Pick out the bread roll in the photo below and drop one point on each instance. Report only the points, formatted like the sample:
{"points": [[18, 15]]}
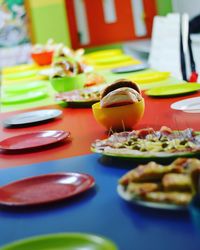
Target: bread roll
{"points": [[121, 83], [120, 97], [121, 92]]}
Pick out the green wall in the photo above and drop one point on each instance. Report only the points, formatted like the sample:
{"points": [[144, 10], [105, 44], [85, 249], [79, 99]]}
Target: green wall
{"points": [[164, 7], [50, 22]]}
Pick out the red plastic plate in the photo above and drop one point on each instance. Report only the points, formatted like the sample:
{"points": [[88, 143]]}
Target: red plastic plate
{"points": [[33, 140], [44, 189]]}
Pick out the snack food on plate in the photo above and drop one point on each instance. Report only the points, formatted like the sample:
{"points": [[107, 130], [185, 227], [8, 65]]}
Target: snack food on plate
{"points": [[147, 173], [148, 142], [163, 184], [68, 74], [91, 94], [142, 188], [42, 54], [94, 79], [179, 182], [122, 92], [64, 52], [40, 48], [60, 50], [66, 68], [195, 175], [176, 198]]}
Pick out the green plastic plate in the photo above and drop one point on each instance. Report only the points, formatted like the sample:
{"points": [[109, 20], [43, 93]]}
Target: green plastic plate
{"points": [[67, 241], [24, 87], [29, 97]]}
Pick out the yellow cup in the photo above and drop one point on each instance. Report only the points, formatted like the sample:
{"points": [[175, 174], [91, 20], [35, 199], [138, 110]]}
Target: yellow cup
{"points": [[119, 118]]}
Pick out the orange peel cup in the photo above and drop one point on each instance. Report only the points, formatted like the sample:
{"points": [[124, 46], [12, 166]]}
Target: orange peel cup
{"points": [[119, 118]]}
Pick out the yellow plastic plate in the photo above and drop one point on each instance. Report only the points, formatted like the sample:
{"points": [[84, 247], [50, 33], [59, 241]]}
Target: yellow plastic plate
{"points": [[149, 77], [19, 68], [173, 90]]}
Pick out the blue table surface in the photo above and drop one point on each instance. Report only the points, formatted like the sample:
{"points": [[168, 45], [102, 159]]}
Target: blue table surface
{"points": [[98, 211]]}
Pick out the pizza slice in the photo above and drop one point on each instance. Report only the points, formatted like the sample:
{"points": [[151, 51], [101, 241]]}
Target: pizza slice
{"points": [[148, 142]]}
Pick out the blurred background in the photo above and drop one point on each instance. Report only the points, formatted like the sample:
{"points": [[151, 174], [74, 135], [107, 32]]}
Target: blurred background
{"points": [[89, 24]]}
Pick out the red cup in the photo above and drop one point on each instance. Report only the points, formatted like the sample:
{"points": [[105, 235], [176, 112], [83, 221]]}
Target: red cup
{"points": [[43, 58]]}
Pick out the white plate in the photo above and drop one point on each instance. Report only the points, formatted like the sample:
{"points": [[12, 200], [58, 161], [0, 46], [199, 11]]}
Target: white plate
{"points": [[127, 197], [46, 72], [190, 105], [32, 117]]}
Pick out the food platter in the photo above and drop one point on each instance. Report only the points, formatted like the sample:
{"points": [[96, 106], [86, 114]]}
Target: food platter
{"points": [[116, 145], [136, 201], [81, 97], [138, 155], [162, 186]]}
